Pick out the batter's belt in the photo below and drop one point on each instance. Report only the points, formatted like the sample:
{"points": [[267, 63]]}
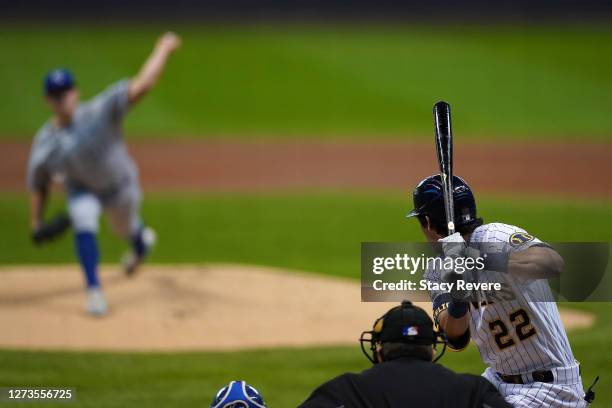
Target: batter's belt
{"points": [[558, 375]]}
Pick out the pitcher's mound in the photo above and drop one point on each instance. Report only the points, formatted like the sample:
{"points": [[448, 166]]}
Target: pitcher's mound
{"points": [[168, 308]]}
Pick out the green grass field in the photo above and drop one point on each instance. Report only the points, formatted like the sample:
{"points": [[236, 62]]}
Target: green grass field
{"points": [[313, 232], [527, 82], [285, 377], [318, 232]]}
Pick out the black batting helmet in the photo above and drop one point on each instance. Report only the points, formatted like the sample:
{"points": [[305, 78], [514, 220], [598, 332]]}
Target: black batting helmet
{"points": [[428, 200]]}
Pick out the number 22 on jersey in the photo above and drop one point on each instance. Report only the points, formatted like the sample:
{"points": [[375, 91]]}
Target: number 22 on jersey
{"points": [[522, 328]]}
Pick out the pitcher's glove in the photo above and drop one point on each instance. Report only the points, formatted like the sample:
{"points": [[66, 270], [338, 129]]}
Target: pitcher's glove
{"points": [[52, 229]]}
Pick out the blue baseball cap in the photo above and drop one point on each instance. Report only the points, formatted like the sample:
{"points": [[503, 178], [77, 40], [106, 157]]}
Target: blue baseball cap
{"points": [[238, 394], [57, 81]]}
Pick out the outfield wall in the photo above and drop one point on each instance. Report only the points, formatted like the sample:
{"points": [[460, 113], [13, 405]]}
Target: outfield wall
{"points": [[336, 9]]}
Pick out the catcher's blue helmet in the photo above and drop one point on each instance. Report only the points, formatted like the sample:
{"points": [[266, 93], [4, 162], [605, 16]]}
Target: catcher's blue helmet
{"points": [[238, 394], [428, 200]]}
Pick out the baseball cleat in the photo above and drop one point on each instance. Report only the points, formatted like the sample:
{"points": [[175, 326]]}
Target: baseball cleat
{"points": [[96, 302], [131, 260]]}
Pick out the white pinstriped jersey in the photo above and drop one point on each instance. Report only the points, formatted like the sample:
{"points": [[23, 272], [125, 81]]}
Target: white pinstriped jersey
{"points": [[516, 331]]}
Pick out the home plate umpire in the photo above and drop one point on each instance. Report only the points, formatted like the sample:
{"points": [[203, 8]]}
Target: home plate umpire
{"points": [[402, 345]]}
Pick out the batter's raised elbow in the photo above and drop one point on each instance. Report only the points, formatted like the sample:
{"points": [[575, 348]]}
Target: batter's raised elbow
{"points": [[557, 264]]}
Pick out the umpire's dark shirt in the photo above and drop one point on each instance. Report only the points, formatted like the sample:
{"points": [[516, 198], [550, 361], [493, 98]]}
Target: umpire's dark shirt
{"points": [[405, 383]]}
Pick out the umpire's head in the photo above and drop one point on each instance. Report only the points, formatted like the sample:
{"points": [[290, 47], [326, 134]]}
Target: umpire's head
{"points": [[404, 331]]}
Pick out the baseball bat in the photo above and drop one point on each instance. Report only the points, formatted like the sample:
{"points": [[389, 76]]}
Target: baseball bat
{"points": [[444, 152]]}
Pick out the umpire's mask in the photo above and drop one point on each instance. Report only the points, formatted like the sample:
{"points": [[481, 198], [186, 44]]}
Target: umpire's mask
{"points": [[407, 324]]}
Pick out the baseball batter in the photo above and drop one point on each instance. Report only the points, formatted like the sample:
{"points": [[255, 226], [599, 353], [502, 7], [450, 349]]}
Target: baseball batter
{"points": [[82, 146], [518, 332]]}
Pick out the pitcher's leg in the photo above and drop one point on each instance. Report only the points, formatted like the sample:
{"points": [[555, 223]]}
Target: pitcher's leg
{"points": [[84, 209], [124, 216]]}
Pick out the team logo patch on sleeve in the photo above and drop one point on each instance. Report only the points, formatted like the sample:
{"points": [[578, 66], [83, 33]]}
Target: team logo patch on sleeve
{"points": [[520, 238]]}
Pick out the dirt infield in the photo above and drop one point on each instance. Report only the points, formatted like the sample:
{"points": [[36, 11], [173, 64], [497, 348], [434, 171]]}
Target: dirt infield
{"points": [[571, 169], [170, 308]]}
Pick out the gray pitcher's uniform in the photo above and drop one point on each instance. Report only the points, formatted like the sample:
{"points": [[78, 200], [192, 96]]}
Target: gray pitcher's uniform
{"points": [[520, 334], [91, 158]]}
